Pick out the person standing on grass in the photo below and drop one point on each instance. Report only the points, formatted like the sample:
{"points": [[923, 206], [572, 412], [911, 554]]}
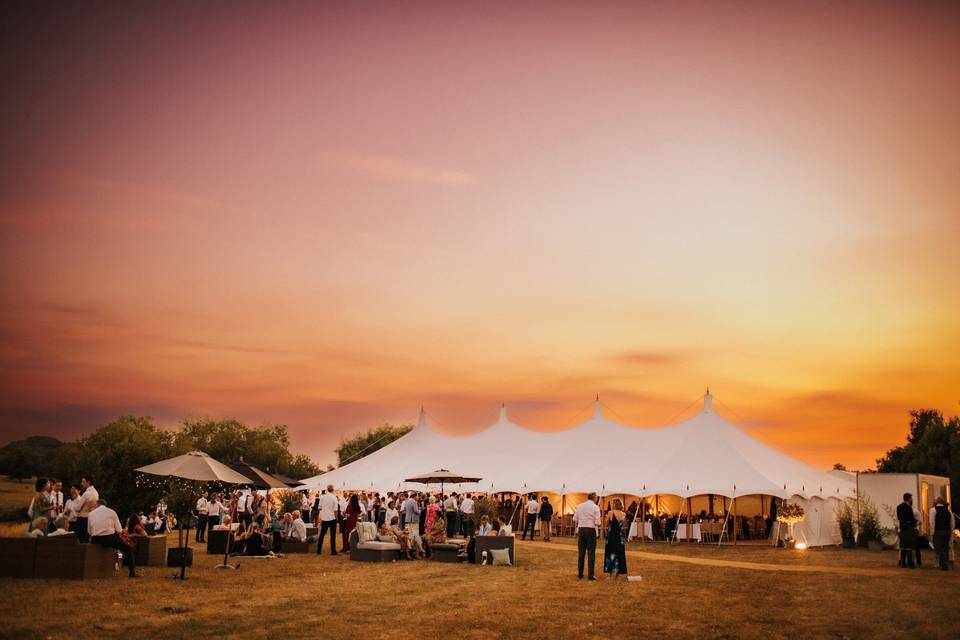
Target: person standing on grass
{"points": [[201, 512], [587, 520], [40, 506], [450, 514], [908, 531], [56, 496], [87, 502], [71, 506], [328, 520], [532, 509], [214, 509], [545, 515], [411, 514], [614, 553], [104, 529], [942, 524], [468, 525], [351, 515]]}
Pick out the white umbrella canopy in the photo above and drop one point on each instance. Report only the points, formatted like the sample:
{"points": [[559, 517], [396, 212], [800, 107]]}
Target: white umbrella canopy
{"points": [[195, 465]]}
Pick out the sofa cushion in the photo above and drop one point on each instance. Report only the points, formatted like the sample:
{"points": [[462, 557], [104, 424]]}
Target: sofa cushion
{"points": [[366, 531], [376, 545], [501, 557]]}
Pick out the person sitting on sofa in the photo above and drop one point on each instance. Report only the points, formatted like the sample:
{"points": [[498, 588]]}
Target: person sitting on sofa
{"points": [[393, 533], [104, 529], [297, 531], [225, 524], [134, 531], [252, 540], [156, 524], [38, 528], [437, 532], [485, 527], [62, 524]]}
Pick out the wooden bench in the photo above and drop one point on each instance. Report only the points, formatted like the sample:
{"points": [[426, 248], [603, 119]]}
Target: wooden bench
{"points": [[151, 551]]}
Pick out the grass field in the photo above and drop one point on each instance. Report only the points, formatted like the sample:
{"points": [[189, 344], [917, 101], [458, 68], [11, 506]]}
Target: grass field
{"points": [[679, 597], [15, 494]]}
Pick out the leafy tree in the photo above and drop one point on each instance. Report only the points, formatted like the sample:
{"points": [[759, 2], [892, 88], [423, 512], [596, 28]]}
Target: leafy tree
{"points": [[840, 467], [229, 441], [933, 446], [364, 444], [111, 454]]}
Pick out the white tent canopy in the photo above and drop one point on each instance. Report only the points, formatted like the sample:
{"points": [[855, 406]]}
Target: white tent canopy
{"points": [[705, 454]]}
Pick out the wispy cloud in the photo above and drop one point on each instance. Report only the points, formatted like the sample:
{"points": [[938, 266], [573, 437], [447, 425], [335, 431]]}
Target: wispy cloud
{"points": [[395, 169]]}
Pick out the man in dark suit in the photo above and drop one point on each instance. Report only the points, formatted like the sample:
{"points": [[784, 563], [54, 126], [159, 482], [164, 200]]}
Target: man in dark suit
{"points": [[908, 531]]}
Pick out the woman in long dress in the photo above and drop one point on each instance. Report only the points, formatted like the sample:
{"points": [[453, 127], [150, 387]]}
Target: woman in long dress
{"points": [[350, 517], [614, 553]]}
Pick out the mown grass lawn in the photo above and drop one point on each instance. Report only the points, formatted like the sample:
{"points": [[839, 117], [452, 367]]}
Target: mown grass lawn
{"points": [[304, 596]]}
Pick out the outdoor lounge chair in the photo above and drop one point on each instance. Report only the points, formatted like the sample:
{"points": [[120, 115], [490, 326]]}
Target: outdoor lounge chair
{"points": [[68, 558], [151, 551], [375, 551], [486, 543], [445, 551], [291, 546], [17, 556]]}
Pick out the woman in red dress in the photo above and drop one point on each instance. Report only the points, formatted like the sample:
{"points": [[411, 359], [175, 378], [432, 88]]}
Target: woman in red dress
{"points": [[433, 510], [350, 517]]}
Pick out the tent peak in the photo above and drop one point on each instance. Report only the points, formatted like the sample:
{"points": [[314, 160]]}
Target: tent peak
{"points": [[707, 401], [597, 408], [503, 412], [422, 419]]}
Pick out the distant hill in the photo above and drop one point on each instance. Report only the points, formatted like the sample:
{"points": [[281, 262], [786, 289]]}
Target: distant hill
{"points": [[28, 457]]}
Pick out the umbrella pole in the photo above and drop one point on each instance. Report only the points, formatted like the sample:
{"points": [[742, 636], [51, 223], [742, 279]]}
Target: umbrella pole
{"points": [[186, 543]]}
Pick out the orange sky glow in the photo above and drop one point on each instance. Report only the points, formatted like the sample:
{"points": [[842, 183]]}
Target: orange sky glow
{"points": [[328, 214]]}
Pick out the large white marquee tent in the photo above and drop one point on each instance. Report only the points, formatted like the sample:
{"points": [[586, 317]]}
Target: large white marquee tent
{"points": [[703, 455]]}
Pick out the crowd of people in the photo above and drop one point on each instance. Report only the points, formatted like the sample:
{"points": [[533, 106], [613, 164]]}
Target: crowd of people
{"points": [[415, 520], [941, 524]]}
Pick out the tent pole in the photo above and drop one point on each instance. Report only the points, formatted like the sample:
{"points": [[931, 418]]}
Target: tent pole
{"points": [[689, 512], [734, 519], [639, 533], [726, 518]]}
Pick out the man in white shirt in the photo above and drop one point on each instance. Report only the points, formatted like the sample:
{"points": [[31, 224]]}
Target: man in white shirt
{"points": [[214, 509], [104, 529], [298, 529], [466, 510], [72, 506], [329, 505], [450, 513], [532, 508], [587, 520], [201, 512], [390, 513], [56, 496], [245, 508], [85, 504]]}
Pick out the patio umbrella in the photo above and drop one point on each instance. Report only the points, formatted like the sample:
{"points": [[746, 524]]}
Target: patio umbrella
{"points": [[258, 478], [442, 476], [198, 467]]}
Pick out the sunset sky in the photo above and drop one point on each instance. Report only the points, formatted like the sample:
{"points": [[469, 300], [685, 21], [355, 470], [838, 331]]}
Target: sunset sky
{"points": [[328, 214]]}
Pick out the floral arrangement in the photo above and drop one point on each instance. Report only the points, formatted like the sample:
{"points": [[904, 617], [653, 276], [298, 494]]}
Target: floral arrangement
{"points": [[790, 514]]}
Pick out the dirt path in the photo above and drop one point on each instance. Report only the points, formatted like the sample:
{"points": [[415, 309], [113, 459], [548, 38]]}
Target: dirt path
{"points": [[737, 564]]}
